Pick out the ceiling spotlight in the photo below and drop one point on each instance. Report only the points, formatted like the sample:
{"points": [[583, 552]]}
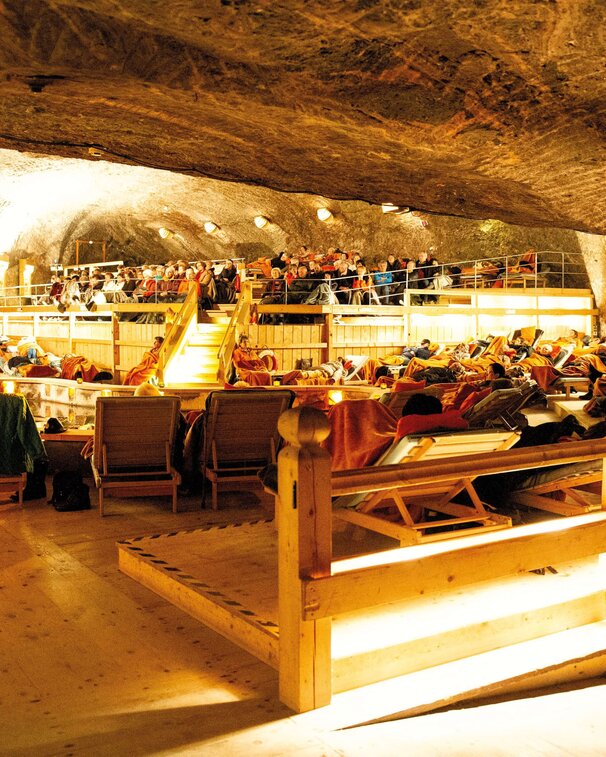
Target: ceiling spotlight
{"points": [[261, 221], [324, 214], [210, 227], [164, 232], [388, 207]]}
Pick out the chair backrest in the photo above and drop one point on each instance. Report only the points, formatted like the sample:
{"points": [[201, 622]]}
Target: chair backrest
{"points": [[499, 403], [135, 433], [242, 426], [530, 334], [563, 355], [395, 401], [358, 362]]}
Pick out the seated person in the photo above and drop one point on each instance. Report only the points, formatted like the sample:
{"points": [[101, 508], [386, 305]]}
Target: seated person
{"points": [[423, 412], [147, 367], [249, 366], [496, 377]]}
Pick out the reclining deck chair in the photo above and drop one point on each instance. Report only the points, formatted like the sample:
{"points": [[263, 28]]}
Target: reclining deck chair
{"points": [[21, 444], [241, 434], [572, 482], [133, 444], [357, 363], [530, 334], [369, 510], [500, 406], [395, 401]]}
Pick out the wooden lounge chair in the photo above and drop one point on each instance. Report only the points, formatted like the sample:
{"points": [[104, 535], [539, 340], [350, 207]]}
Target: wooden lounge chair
{"points": [[538, 333], [17, 423], [388, 512], [573, 483], [499, 407], [241, 434], [358, 362], [395, 401], [133, 443]]}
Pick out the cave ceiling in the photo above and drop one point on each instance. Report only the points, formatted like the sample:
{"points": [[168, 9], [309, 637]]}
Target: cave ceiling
{"points": [[472, 108]]}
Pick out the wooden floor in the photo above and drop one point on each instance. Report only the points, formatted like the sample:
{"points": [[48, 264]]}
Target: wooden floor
{"points": [[92, 663]]}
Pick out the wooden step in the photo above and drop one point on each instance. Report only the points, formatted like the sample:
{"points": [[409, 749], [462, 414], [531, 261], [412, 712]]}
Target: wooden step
{"points": [[568, 656]]}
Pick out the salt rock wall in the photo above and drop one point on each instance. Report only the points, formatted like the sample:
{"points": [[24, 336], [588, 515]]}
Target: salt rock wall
{"points": [[471, 108]]}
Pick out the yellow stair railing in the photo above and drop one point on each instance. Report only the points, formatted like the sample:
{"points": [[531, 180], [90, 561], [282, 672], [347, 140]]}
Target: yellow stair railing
{"points": [[239, 319], [177, 334]]}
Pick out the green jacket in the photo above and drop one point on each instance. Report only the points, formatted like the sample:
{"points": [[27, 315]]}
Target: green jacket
{"points": [[20, 442]]}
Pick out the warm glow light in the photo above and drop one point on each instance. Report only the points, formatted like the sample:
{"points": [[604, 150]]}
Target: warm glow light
{"points": [[261, 221], [335, 396], [388, 207], [324, 214], [210, 227], [164, 232], [28, 271], [9, 387], [106, 393]]}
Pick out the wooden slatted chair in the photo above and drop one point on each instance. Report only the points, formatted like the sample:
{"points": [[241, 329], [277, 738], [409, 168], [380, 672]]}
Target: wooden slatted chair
{"points": [[533, 341], [500, 406], [358, 362], [388, 512], [573, 482], [133, 444], [241, 434], [395, 401], [18, 426]]}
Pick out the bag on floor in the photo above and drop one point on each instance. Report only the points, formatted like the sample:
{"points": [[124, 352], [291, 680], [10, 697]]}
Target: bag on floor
{"points": [[70, 493]]}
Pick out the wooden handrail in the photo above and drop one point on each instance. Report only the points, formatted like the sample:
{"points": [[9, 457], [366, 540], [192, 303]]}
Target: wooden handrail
{"points": [[239, 318], [453, 468], [177, 333]]}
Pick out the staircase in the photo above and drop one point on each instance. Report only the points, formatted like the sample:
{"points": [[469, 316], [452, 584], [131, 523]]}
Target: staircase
{"points": [[196, 364]]}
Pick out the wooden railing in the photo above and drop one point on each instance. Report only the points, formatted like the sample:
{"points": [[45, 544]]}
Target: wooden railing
{"points": [[239, 321], [177, 334], [314, 588]]}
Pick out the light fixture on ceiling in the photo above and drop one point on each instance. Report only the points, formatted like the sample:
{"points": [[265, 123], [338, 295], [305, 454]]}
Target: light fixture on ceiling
{"points": [[324, 214], [164, 232], [210, 227], [260, 221], [389, 207]]}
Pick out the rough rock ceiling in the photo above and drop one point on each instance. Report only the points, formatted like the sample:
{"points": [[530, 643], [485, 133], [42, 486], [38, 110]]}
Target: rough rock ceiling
{"points": [[476, 108]]}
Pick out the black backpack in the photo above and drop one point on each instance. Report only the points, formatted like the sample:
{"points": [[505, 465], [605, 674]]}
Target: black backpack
{"points": [[69, 492]]}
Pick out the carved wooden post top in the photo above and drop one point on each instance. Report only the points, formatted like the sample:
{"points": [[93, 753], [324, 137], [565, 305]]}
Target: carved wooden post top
{"points": [[303, 426]]}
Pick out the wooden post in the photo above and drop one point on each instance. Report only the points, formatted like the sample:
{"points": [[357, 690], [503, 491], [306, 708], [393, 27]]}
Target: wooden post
{"points": [[304, 551], [115, 340], [329, 353]]}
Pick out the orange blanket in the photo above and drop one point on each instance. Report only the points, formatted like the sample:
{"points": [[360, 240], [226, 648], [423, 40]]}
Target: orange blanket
{"points": [[361, 430], [144, 370], [78, 366]]}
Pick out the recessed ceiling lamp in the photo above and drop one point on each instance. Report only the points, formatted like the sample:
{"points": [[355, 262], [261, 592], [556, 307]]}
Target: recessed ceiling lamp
{"points": [[324, 214], [164, 232], [210, 227], [260, 221]]}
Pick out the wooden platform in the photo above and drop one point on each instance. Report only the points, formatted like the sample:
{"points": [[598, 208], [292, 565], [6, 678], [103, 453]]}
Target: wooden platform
{"points": [[226, 577]]}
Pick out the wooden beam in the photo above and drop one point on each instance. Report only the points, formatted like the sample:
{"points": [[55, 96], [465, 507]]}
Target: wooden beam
{"points": [[424, 570]]}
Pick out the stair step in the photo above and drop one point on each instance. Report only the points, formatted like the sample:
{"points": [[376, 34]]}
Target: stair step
{"points": [[571, 655]]}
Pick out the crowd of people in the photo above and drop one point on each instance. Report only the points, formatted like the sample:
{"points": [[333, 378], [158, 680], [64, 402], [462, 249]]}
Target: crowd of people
{"points": [[170, 282], [345, 278]]}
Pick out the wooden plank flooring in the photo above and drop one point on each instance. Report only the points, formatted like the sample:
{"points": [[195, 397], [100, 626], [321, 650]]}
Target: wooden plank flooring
{"points": [[92, 663]]}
